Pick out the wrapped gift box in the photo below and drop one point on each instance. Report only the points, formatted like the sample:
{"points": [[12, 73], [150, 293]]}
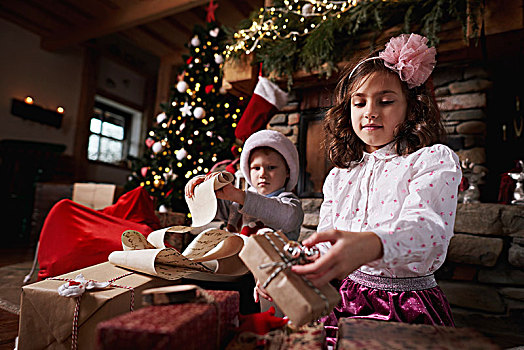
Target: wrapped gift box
{"points": [[365, 334], [46, 318], [295, 297], [178, 326]]}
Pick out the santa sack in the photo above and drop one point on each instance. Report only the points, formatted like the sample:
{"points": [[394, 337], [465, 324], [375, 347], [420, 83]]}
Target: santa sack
{"points": [[75, 236]]}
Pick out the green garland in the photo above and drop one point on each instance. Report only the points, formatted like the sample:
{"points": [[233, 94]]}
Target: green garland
{"points": [[334, 39]]}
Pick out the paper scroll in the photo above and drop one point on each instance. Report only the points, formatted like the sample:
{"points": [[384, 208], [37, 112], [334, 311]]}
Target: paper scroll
{"points": [[203, 205], [211, 255]]}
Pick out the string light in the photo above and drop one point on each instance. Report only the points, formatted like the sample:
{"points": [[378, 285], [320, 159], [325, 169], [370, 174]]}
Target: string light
{"points": [[310, 15]]}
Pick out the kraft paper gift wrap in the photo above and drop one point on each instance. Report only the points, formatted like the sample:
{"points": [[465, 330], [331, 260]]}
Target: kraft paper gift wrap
{"points": [[46, 318], [297, 299]]}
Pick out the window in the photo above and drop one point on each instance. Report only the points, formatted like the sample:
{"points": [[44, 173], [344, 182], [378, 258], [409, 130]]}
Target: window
{"points": [[111, 131]]}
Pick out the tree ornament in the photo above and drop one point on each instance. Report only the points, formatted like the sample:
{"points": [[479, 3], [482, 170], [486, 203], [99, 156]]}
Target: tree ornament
{"points": [[149, 142], [209, 88], [162, 209], [157, 147], [195, 41], [181, 86], [182, 126], [143, 171], [161, 117], [219, 59], [185, 110], [307, 9], [199, 113], [214, 32], [181, 154]]}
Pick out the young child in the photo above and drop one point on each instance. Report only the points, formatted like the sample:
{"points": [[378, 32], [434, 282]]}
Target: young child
{"points": [[389, 203], [269, 163]]}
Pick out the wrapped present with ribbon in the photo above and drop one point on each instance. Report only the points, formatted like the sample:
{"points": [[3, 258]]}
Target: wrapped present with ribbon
{"points": [[62, 312], [202, 320], [269, 256], [212, 255]]}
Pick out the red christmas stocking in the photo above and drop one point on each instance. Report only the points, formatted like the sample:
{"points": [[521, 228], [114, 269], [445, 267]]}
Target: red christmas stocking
{"points": [[267, 99]]}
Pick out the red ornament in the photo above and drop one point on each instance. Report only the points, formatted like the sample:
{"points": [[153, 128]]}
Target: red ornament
{"points": [[208, 88], [189, 60], [234, 150], [211, 11], [143, 171], [149, 142]]}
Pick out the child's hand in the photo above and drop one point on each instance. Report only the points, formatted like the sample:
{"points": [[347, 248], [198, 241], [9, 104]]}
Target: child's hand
{"points": [[189, 189], [260, 292], [231, 193], [194, 182], [350, 250]]}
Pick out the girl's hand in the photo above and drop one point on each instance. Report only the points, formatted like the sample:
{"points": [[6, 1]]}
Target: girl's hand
{"points": [[189, 189], [260, 292], [349, 251]]}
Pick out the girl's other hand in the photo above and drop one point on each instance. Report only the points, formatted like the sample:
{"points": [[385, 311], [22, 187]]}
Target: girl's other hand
{"points": [[349, 251], [260, 292]]}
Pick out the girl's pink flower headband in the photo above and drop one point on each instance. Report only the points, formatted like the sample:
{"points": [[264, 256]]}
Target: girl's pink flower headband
{"points": [[409, 56]]}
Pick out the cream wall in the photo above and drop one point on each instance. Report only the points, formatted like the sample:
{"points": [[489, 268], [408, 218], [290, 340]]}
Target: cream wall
{"points": [[51, 78]]}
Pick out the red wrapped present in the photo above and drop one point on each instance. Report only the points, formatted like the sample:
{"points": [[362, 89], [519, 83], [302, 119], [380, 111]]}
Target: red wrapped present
{"points": [[179, 326]]}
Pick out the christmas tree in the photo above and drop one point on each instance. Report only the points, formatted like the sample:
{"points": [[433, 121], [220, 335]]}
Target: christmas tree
{"points": [[195, 131]]}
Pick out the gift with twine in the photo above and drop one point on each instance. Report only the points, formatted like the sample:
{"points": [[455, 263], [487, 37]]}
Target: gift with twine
{"points": [[295, 295]]}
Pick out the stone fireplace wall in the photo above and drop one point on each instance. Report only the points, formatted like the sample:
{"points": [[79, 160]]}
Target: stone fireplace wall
{"points": [[483, 276]]}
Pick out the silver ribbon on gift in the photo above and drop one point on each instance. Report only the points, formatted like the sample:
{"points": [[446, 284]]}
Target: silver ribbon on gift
{"points": [[287, 263], [74, 288]]}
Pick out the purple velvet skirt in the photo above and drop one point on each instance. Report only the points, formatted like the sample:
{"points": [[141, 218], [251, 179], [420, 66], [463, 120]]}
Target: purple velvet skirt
{"points": [[408, 300]]}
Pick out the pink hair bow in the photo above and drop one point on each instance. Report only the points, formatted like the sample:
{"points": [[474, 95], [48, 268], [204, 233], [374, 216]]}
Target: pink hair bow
{"points": [[410, 57]]}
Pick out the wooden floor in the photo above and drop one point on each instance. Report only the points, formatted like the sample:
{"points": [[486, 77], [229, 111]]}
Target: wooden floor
{"points": [[9, 321]]}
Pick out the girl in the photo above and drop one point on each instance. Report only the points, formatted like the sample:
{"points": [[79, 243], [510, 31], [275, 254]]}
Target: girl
{"points": [[389, 203]]}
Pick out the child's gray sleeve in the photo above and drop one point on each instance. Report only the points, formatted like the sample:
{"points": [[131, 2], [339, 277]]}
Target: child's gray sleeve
{"points": [[283, 212]]}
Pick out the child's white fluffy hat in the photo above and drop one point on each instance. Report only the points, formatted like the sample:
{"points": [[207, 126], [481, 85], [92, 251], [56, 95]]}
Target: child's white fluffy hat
{"points": [[281, 144]]}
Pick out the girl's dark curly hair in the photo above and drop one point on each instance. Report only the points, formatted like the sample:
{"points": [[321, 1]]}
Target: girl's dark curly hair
{"points": [[422, 126]]}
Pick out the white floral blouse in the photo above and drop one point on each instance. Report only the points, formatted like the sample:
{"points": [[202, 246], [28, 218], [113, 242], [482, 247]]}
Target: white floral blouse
{"points": [[408, 201]]}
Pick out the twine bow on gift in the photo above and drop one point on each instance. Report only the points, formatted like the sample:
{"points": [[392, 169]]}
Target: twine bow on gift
{"points": [[75, 288], [294, 254]]}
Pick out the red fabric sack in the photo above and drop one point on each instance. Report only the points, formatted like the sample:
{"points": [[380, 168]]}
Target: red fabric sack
{"points": [[75, 236], [137, 206]]}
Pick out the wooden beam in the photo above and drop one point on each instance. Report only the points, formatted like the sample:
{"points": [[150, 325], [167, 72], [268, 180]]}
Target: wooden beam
{"points": [[21, 13], [150, 43], [85, 110], [125, 18]]}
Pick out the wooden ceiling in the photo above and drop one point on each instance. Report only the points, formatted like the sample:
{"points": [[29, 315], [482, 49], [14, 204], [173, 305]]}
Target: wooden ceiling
{"points": [[158, 27]]}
